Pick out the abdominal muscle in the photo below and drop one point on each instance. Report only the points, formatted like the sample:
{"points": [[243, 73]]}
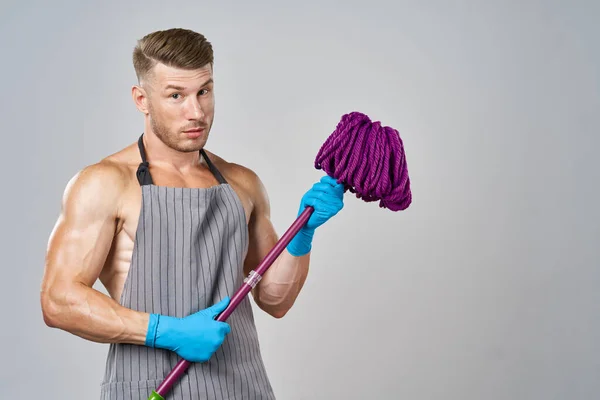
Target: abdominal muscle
{"points": [[118, 261]]}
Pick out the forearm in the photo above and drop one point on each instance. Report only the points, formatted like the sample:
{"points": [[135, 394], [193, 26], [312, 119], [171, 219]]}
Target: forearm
{"points": [[90, 314], [280, 285]]}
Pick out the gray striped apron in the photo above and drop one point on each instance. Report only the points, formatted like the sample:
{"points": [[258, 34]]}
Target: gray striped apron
{"points": [[188, 254]]}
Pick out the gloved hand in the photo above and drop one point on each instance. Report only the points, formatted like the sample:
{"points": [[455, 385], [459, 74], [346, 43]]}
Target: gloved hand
{"points": [[327, 199], [194, 338]]}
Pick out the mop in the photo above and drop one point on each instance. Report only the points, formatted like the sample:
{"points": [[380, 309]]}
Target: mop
{"points": [[369, 160]]}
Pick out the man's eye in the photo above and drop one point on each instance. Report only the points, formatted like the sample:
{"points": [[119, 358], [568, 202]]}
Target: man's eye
{"points": [[203, 90], [175, 96]]}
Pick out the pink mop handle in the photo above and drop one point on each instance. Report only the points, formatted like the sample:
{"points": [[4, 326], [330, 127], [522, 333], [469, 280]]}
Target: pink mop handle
{"points": [[249, 283]]}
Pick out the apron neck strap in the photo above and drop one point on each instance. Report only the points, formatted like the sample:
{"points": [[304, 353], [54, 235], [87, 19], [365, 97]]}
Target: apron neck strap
{"points": [[143, 171]]}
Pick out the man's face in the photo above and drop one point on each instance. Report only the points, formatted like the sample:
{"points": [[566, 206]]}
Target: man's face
{"points": [[181, 106]]}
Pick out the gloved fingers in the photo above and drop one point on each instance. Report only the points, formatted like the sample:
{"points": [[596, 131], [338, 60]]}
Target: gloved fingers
{"points": [[326, 195], [322, 200], [224, 328], [218, 308], [326, 201], [338, 188], [331, 181], [328, 210], [321, 214], [325, 211], [321, 187]]}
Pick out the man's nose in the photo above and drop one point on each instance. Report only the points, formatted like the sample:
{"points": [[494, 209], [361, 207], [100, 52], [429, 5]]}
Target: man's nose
{"points": [[194, 109]]}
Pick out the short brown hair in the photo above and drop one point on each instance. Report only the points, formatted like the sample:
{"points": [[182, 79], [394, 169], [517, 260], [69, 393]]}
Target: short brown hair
{"points": [[177, 47]]}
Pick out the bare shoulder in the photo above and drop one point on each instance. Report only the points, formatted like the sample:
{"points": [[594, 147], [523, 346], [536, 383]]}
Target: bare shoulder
{"points": [[243, 177], [105, 175], [99, 187], [95, 188]]}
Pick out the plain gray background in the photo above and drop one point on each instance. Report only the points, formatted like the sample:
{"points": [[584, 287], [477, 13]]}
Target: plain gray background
{"points": [[487, 287]]}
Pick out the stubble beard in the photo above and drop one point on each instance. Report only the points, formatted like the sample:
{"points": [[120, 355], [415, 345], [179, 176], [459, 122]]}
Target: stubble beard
{"points": [[171, 139]]}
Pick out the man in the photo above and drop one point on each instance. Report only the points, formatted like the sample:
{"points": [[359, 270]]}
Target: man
{"points": [[172, 230]]}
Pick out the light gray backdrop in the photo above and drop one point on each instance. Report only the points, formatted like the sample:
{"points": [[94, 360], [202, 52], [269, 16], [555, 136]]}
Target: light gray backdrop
{"points": [[487, 287]]}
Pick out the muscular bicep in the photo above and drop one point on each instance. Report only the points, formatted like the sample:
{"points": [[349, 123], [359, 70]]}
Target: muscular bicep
{"points": [[262, 234], [83, 234], [261, 240], [279, 286]]}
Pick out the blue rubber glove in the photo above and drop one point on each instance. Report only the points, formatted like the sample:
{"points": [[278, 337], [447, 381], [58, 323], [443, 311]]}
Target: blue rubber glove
{"points": [[327, 198], [194, 338]]}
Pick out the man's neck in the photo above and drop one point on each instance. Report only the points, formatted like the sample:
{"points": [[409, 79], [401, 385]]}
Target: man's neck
{"points": [[158, 153]]}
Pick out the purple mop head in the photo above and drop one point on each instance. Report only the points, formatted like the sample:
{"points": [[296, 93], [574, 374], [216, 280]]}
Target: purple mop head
{"points": [[369, 159]]}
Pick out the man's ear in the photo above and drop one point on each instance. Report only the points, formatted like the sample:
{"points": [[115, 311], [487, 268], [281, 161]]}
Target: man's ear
{"points": [[140, 98]]}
